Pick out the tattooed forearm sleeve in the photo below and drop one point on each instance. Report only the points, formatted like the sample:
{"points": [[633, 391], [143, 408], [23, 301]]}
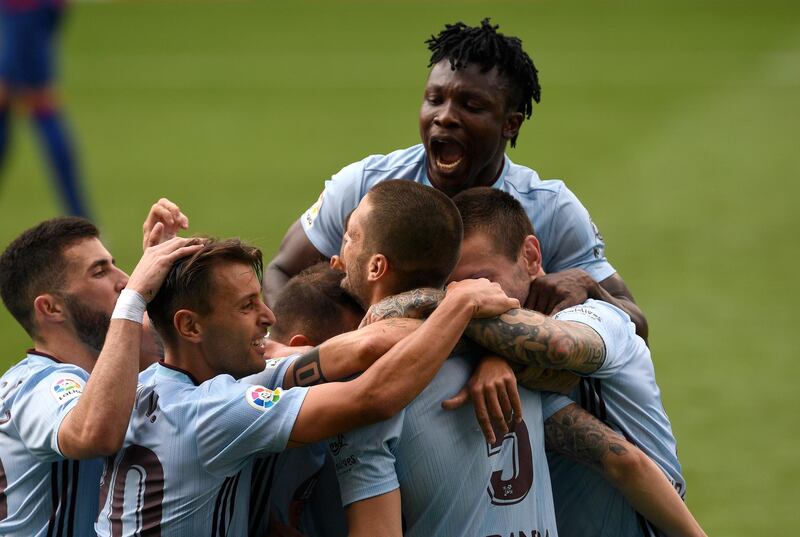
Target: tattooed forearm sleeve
{"points": [[414, 304], [530, 338], [308, 370], [575, 433]]}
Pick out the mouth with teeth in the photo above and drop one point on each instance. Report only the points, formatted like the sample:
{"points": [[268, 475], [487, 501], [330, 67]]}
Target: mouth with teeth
{"points": [[447, 155], [260, 344]]}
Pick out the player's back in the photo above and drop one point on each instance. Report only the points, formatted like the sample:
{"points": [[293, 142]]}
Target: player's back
{"points": [[185, 467], [41, 492], [452, 482]]}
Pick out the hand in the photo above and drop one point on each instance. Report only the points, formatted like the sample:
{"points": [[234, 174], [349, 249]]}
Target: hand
{"points": [[155, 263], [487, 298], [552, 293], [494, 394], [415, 304], [162, 223]]}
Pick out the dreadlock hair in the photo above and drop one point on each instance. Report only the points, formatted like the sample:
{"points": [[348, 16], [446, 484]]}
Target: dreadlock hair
{"points": [[484, 45]]}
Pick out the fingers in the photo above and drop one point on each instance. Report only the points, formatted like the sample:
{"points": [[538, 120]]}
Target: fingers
{"points": [[561, 306], [495, 410], [485, 423], [155, 236], [505, 405], [515, 400], [457, 401], [170, 217]]}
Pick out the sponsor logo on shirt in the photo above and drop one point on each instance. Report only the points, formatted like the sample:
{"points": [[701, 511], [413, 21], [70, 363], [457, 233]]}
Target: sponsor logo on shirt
{"points": [[581, 309], [261, 398], [66, 389], [311, 214], [273, 363]]}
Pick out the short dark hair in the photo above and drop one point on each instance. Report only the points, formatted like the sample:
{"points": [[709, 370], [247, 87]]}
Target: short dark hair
{"points": [[314, 304], [417, 228], [485, 46], [497, 214], [189, 284], [34, 263]]}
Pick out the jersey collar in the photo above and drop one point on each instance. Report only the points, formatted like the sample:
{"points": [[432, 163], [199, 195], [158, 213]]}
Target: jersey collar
{"points": [[34, 352], [498, 183], [176, 373]]}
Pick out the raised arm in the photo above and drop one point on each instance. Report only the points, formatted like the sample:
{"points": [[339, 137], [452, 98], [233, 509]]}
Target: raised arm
{"points": [[403, 372], [295, 253], [576, 434], [347, 354], [531, 338], [97, 424]]}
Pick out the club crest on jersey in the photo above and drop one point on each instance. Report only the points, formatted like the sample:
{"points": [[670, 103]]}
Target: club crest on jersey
{"points": [[311, 214], [66, 389], [261, 398]]}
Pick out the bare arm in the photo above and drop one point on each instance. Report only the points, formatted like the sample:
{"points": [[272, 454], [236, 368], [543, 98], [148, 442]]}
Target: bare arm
{"points": [[348, 354], [614, 291], [576, 434], [403, 372], [295, 253], [97, 424], [379, 515], [531, 338]]}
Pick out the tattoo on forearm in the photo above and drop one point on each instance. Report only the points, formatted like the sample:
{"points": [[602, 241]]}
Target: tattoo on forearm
{"points": [[417, 303], [530, 338], [308, 370], [575, 433]]}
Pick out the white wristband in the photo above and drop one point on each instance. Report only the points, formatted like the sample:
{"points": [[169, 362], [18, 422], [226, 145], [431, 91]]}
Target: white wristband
{"points": [[130, 306]]}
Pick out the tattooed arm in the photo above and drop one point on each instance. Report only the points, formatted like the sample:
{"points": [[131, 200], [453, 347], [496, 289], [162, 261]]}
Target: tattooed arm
{"points": [[414, 304], [348, 354], [576, 434], [530, 338]]}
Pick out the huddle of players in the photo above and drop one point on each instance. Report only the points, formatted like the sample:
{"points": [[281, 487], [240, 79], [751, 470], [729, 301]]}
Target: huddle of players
{"points": [[186, 441]]}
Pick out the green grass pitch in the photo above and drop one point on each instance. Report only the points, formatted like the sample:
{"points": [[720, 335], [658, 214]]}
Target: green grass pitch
{"points": [[674, 122]]}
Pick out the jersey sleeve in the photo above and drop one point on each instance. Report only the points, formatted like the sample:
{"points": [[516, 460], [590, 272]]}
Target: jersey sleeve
{"points": [[236, 420], [614, 327], [41, 409], [323, 222], [365, 460], [573, 239], [552, 403], [274, 372]]}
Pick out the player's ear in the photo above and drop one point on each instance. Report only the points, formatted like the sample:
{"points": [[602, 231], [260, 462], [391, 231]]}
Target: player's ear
{"points": [[299, 340], [187, 326], [532, 255], [512, 124], [49, 308], [378, 267], [336, 263]]}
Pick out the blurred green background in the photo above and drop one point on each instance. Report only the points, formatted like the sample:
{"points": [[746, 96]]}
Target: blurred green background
{"points": [[676, 123]]}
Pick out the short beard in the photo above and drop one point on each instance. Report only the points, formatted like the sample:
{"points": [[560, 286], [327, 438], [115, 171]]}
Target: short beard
{"points": [[90, 324], [355, 282]]}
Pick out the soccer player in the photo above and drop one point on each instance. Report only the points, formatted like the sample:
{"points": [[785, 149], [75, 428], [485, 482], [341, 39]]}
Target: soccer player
{"points": [[480, 89], [297, 489], [60, 283], [595, 340], [28, 39], [186, 463]]}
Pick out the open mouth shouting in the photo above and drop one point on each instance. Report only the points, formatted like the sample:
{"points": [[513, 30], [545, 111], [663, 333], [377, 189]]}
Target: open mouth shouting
{"points": [[446, 154], [259, 344]]}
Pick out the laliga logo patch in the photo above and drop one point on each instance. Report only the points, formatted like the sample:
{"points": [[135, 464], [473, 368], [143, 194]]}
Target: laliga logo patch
{"points": [[311, 214], [66, 389], [261, 398]]}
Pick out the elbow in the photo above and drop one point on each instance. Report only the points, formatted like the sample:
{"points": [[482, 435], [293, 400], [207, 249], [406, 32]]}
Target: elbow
{"points": [[627, 468], [381, 404], [101, 441]]}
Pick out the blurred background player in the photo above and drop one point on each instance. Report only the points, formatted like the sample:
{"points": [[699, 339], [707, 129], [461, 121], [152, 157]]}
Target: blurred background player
{"points": [[28, 57]]}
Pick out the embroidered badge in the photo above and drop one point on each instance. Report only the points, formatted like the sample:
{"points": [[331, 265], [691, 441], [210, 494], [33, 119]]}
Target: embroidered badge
{"points": [[261, 398], [311, 214], [65, 389]]}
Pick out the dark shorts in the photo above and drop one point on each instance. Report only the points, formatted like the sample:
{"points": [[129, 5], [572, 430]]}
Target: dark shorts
{"points": [[27, 40]]}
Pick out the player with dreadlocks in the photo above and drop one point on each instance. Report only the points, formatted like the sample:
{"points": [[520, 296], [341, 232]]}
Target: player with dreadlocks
{"points": [[480, 89]]}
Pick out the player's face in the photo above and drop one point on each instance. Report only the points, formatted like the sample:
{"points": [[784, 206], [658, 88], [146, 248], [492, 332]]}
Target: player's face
{"points": [[464, 125], [234, 330], [354, 258], [92, 286], [479, 259]]}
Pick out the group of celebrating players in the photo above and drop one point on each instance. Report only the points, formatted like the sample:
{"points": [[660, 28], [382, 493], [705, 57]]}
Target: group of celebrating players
{"points": [[175, 402]]}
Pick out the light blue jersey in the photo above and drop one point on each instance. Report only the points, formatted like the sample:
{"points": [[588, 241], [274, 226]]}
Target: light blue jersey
{"points": [[297, 488], [567, 236], [186, 465], [41, 492], [452, 482], [623, 394]]}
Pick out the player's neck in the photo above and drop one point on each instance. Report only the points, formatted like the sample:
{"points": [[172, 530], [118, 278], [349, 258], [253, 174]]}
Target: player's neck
{"points": [[191, 361], [67, 349]]}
